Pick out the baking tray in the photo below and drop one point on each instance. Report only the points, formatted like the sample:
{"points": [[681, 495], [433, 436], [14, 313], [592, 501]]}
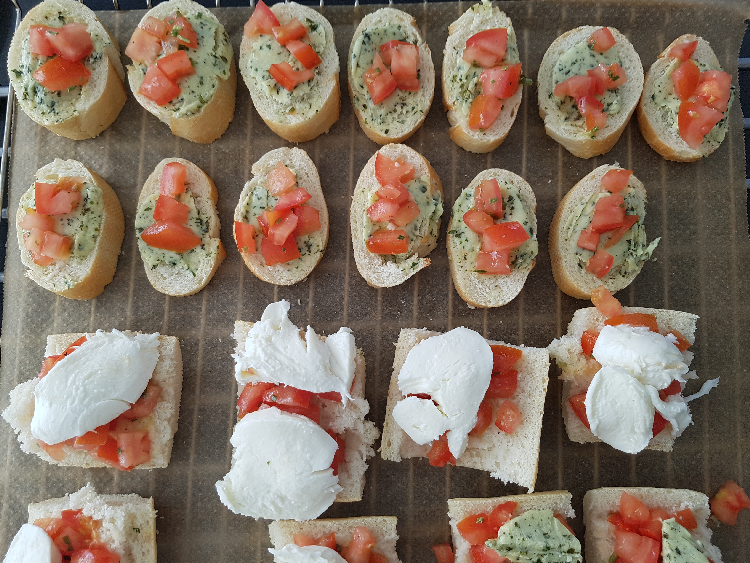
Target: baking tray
{"points": [[702, 266]]}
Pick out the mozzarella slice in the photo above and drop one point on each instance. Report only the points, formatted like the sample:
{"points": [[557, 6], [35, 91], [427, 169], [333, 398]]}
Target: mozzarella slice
{"points": [[420, 419], [292, 553], [674, 410], [31, 544]]}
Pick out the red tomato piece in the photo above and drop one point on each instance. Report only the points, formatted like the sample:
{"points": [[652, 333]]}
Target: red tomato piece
{"points": [[600, 263], [685, 79], [673, 388], [56, 246], [577, 403], [312, 411], [443, 552], [303, 540], [380, 83], [484, 111], [51, 200], [33, 243], [287, 395], [484, 418], [92, 440], [601, 78], [728, 502], [395, 191], [304, 53], [592, 110], [588, 340], [616, 76], [620, 231], [170, 45], [476, 56], [386, 241], [502, 385], [376, 557], [576, 87], [683, 51], [328, 541], [634, 319], [244, 234], [172, 181], [695, 121], [605, 302], [609, 213], [602, 40], [95, 554], [477, 221], [439, 454], [280, 180], [508, 235], [143, 47], [686, 519], [508, 417], [714, 89], [504, 357], [386, 50], [383, 210], [284, 74], [338, 458], [133, 448], [182, 29], [495, 262], [169, 209], [308, 220], [389, 171], [652, 529], [494, 41], [169, 235], [176, 66], [282, 229], [262, 21], [71, 41], [633, 511], [38, 43], [108, 453], [157, 87], [682, 342], [155, 27], [292, 199], [406, 214], [252, 397], [476, 529], [404, 63], [145, 404], [617, 521], [59, 74], [588, 239], [616, 179], [484, 554], [268, 218], [502, 81], [70, 183], [48, 364], [290, 31], [34, 220], [358, 550], [501, 514], [634, 548], [279, 254], [489, 199]]}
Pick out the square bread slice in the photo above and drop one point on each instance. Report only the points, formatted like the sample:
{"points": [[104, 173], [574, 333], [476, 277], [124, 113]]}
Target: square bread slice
{"points": [[349, 422], [459, 508], [382, 527], [513, 458], [167, 373], [578, 370], [598, 504], [128, 522]]}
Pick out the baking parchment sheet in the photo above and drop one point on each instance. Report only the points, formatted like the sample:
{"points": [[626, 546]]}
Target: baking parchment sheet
{"points": [[702, 265]]}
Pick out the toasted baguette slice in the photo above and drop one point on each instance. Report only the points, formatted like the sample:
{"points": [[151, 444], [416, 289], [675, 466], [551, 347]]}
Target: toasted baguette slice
{"points": [[167, 373], [359, 434], [179, 280], [313, 245], [598, 504], [477, 18], [570, 274], [208, 121], [386, 123], [460, 508], [282, 532], [512, 458], [486, 290], [578, 370], [381, 270], [313, 106], [84, 276], [658, 122], [81, 113], [572, 134]]}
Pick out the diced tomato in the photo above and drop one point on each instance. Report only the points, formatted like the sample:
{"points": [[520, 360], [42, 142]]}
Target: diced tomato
{"points": [[304, 53], [633, 511], [395, 191], [577, 403], [108, 453], [501, 514], [48, 364], [38, 42], [404, 63], [620, 231], [358, 550], [280, 180], [407, 212], [504, 357], [376, 557], [330, 396], [338, 458], [60, 74], [484, 418], [602, 40], [476, 529], [169, 209], [155, 27], [714, 89], [34, 220], [489, 199], [484, 111], [176, 66], [143, 47], [685, 79], [70, 183], [592, 110], [443, 552], [607, 77], [145, 404], [683, 51], [508, 235], [609, 213], [673, 388], [652, 529], [169, 235], [588, 340], [494, 41], [244, 234], [68, 539], [695, 121], [286, 395], [252, 397], [383, 210], [588, 239], [56, 246], [33, 243], [476, 56], [686, 519], [284, 74], [495, 262], [291, 31], [95, 554], [268, 218], [478, 221], [308, 220], [292, 199], [312, 411], [484, 554], [502, 81], [439, 454], [380, 83], [634, 319], [387, 48], [386, 241], [280, 231], [389, 171], [508, 417], [328, 541], [503, 385], [279, 254], [51, 200], [71, 41], [262, 21], [682, 342], [616, 76], [172, 181], [600, 263], [634, 548], [728, 502], [616, 179], [182, 29], [133, 448], [576, 87], [157, 87], [616, 520], [303, 540], [55, 451]]}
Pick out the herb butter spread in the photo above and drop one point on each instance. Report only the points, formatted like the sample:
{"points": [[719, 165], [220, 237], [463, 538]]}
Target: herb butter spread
{"points": [[678, 546], [536, 536]]}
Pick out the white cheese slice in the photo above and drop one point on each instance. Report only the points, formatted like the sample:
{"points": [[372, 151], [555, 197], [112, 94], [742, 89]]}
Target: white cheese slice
{"points": [[31, 544], [94, 385], [292, 553], [454, 369], [281, 467], [674, 410], [420, 419]]}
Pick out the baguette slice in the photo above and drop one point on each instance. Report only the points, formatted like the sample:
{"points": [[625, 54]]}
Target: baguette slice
{"points": [[282, 532], [78, 278], [307, 178], [460, 508], [508, 457], [572, 134], [180, 280], [313, 106], [98, 103], [571, 277], [659, 123], [482, 290], [359, 434], [383, 123], [167, 373], [598, 504], [382, 270], [477, 18], [212, 119], [578, 370]]}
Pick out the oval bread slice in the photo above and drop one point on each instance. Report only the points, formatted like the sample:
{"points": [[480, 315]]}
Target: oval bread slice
{"points": [[572, 136], [391, 127], [307, 178], [77, 278], [304, 116], [100, 100]]}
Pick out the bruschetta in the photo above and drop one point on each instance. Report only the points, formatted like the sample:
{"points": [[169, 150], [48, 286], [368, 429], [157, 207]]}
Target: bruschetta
{"points": [[183, 70], [289, 62], [70, 227], [65, 68], [481, 78], [391, 76], [124, 416], [686, 99], [597, 236], [460, 399], [178, 228], [589, 83], [395, 215], [492, 238], [281, 219]]}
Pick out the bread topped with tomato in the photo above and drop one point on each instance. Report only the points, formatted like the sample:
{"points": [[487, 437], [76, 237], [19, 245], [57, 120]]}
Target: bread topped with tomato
{"points": [[481, 78], [589, 82], [597, 236], [391, 76], [177, 228], [65, 68], [395, 215], [492, 238], [70, 227], [72, 430], [281, 219], [183, 70], [646, 524], [686, 99], [289, 62]]}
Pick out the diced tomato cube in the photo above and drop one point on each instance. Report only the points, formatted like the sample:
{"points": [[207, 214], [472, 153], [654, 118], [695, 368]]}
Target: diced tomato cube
{"points": [[383, 210], [577, 403], [303, 540], [495, 262], [601, 78], [329, 541], [386, 241], [616, 179], [600, 263], [502, 81], [155, 27], [143, 47], [588, 239], [108, 453], [484, 111], [182, 29], [476, 529], [484, 554], [176, 66], [308, 220], [288, 32], [279, 254], [588, 340], [304, 53], [602, 40], [252, 397], [380, 83], [169, 235], [389, 171], [38, 43], [169, 209], [71, 41], [652, 529], [360, 546], [407, 212], [172, 181], [728, 502], [284, 74], [484, 418], [489, 199], [475, 55], [404, 63], [145, 404], [714, 89], [695, 121], [683, 51], [501, 514], [634, 548], [504, 357], [605, 302], [95, 554], [615, 76], [494, 41], [592, 110], [508, 235], [503, 385], [386, 50], [157, 87], [440, 454], [282, 229], [93, 439], [477, 221], [280, 180], [133, 448], [338, 459], [56, 246], [59, 74], [395, 191], [686, 519], [685, 79], [244, 234], [50, 200], [267, 218], [34, 220], [443, 552], [292, 199], [609, 213], [673, 388], [508, 417], [576, 87], [262, 21], [682, 342], [634, 512], [634, 319], [620, 231]]}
